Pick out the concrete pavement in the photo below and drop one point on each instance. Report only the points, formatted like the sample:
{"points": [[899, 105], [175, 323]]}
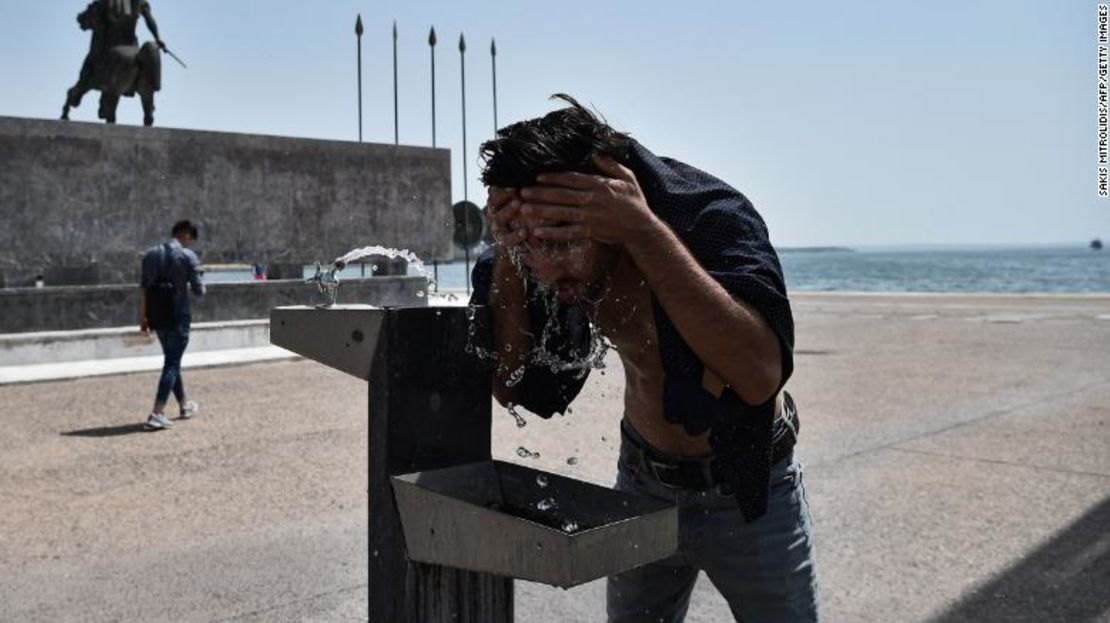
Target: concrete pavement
{"points": [[958, 452]]}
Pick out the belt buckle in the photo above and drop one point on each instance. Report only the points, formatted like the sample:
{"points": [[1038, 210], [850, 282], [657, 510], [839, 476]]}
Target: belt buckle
{"points": [[708, 482], [657, 469]]}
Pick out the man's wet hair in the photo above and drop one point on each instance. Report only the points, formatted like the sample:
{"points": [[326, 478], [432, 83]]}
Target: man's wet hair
{"points": [[185, 227], [561, 140]]}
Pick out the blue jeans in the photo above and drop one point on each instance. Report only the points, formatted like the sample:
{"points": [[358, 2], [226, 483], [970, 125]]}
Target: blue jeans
{"points": [[765, 569], [173, 342]]}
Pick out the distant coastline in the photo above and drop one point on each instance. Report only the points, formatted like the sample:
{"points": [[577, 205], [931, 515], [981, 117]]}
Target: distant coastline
{"points": [[816, 249], [956, 247], [969, 247]]}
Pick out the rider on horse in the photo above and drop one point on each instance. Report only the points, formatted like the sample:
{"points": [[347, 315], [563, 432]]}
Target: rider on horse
{"points": [[116, 64]]}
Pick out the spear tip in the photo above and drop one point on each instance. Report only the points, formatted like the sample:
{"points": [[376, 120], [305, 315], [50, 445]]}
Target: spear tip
{"points": [[462, 43], [358, 25], [432, 36], [394, 30], [492, 47]]}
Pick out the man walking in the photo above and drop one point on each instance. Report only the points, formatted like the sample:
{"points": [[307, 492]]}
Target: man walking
{"points": [[594, 233], [170, 271]]}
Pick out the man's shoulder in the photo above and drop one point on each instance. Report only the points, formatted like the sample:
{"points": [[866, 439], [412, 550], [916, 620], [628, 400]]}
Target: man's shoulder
{"points": [[673, 182], [152, 251]]}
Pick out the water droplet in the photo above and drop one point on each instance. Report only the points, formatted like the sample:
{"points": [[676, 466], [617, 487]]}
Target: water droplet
{"points": [[569, 526], [572, 460], [520, 421], [525, 453], [541, 480], [515, 377], [546, 504], [420, 294]]}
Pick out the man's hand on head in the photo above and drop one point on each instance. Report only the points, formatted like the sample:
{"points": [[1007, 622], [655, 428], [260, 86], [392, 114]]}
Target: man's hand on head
{"points": [[609, 208], [503, 216]]}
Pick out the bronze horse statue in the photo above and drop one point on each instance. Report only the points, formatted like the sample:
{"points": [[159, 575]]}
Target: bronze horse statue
{"points": [[116, 64]]}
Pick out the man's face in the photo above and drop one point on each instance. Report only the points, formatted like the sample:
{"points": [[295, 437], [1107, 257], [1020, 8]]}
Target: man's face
{"points": [[577, 270]]}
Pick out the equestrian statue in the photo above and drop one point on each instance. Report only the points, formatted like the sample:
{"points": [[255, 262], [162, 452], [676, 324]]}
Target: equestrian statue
{"points": [[116, 64]]}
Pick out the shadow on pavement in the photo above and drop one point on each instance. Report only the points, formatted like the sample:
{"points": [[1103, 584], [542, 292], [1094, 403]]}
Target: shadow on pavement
{"points": [[106, 431], [1065, 579]]}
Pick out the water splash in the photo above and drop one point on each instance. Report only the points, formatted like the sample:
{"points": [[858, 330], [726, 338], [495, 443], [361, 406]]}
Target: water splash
{"points": [[541, 355], [520, 421], [515, 377], [327, 282], [472, 333], [357, 254]]}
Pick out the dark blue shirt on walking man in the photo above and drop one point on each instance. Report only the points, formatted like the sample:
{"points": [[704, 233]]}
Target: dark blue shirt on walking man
{"points": [[175, 265]]}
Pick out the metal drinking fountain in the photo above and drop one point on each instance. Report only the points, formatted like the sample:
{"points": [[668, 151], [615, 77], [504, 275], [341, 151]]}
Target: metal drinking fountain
{"points": [[450, 528]]}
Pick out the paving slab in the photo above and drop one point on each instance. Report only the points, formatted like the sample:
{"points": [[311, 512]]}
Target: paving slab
{"points": [[1069, 434], [869, 374], [39, 372], [955, 449], [903, 536]]}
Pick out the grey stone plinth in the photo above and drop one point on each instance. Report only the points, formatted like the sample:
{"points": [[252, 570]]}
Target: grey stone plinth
{"points": [[73, 194]]}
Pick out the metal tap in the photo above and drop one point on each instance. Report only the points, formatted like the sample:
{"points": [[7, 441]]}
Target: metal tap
{"points": [[327, 282]]}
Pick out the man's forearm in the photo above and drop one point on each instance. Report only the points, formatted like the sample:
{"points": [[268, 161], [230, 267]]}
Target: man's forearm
{"points": [[512, 338], [730, 338]]}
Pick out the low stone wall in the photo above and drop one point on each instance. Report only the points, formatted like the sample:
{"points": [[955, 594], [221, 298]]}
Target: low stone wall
{"points": [[44, 347], [92, 307]]}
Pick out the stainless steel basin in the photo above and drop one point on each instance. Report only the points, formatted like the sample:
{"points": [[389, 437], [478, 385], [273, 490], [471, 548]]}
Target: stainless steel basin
{"points": [[493, 517]]}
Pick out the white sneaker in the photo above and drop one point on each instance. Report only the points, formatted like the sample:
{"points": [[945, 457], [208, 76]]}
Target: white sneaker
{"points": [[157, 421], [189, 410]]}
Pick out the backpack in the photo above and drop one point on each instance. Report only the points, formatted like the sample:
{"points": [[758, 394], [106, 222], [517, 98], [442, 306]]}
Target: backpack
{"points": [[160, 313]]}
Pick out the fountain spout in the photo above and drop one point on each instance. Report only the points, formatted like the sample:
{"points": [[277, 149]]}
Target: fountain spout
{"points": [[327, 282]]}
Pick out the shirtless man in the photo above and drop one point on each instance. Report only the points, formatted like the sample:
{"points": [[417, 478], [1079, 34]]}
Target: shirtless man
{"points": [[674, 267]]}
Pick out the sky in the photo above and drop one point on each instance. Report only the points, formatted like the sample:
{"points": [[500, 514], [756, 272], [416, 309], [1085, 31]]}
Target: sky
{"points": [[847, 123]]}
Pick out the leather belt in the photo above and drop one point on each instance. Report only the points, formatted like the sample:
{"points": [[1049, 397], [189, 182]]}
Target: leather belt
{"points": [[695, 473]]}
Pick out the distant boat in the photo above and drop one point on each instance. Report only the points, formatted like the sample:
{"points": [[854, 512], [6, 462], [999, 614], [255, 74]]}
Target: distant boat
{"points": [[1096, 244]]}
